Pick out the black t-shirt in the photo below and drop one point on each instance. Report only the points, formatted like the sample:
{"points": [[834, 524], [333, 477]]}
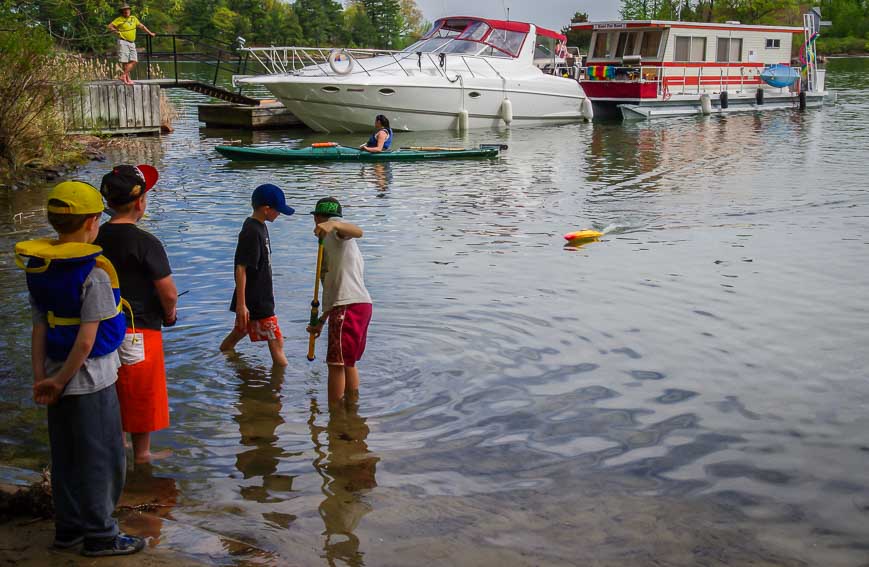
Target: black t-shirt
{"points": [[139, 259], [254, 252]]}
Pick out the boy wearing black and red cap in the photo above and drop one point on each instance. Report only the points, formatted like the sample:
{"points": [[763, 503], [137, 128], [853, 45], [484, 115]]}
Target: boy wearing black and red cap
{"points": [[146, 283], [254, 300]]}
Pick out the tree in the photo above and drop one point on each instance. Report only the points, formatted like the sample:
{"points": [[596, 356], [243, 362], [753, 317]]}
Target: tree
{"points": [[580, 39], [385, 16], [414, 24], [320, 21], [358, 28]]}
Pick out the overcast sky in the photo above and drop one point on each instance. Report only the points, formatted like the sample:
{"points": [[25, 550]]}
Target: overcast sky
{"points": [[553, 14]]}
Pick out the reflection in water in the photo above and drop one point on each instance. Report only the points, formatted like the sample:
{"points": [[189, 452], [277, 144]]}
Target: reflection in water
{"points": [[347, 469], [259, 416], [153, 497], [381, 174]]}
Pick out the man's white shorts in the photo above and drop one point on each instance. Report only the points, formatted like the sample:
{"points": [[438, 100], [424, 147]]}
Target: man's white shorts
{"points": [[127, 51]]}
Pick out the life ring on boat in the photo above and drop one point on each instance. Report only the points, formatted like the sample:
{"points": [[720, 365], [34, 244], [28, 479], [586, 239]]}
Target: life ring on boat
{"points": [[337, 55]]}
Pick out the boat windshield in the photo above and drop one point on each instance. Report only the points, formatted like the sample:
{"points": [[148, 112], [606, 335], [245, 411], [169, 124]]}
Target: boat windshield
{"points": [[470, 37], [463, 46]]}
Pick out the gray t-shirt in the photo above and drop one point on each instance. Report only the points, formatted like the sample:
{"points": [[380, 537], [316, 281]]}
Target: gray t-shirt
{"points": [[344, 267], [97, 303]]}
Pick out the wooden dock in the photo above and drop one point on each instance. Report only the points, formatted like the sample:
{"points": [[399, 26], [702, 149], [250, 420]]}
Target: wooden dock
{"points": [[113, 108], [268, 114]]}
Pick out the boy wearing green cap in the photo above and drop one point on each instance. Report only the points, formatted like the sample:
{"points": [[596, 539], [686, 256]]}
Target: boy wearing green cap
{"points": [[346, 302], [77, 328]]}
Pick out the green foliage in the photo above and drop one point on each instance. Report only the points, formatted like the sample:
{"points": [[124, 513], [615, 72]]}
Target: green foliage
{"points": [[580, 39], [81, 24], [32, 129], [850, 17]]}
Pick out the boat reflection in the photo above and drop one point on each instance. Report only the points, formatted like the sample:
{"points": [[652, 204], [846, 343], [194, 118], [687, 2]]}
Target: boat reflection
{"points": [[347, 469]]}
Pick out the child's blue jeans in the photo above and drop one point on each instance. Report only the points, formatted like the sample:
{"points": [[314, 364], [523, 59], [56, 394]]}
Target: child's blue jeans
{"points": [[88, 464]]}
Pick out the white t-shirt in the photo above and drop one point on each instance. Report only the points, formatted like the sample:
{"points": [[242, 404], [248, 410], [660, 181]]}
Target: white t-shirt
{"points": [[343, 265]]}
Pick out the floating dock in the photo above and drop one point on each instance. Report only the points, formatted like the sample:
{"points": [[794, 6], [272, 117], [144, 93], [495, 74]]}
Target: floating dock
{"points": [[268, 114]]}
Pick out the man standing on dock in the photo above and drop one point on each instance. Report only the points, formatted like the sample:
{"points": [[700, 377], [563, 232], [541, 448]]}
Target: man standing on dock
{"points": [[125, 27]]}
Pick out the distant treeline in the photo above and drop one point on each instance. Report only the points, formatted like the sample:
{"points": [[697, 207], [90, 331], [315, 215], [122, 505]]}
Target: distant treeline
{"points": [[81, 24], [850, 18]]}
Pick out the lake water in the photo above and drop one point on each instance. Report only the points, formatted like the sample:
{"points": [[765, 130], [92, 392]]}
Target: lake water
{"points": [[690, 390]]}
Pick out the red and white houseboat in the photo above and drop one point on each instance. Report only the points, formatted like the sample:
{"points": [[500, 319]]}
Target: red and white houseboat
{"points": [[647, 69]]}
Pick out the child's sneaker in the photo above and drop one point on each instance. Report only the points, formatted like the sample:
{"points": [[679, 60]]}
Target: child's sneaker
{"points": [[121, 544]]}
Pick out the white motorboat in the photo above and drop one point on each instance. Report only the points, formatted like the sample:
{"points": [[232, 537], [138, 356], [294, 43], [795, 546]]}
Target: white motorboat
{"points": [[466, 72]]}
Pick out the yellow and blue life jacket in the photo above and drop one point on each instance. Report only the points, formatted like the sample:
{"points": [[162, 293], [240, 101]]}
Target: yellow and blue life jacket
{"points": [[55, 276]]}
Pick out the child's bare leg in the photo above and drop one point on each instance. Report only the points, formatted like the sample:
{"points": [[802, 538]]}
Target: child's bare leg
{"points": [[276, 348], [142, 449], [231, 339], [336, 383], [351, 377]]}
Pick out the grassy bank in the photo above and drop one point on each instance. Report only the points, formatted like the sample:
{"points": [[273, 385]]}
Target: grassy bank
{"points": [[843, 46], [32, 129]]}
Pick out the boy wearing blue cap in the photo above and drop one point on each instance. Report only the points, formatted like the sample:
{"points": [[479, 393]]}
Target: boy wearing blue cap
{"points": [[254, 300]]}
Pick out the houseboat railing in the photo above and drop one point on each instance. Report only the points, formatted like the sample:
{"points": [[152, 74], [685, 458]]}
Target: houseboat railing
{"points": [[669, 81]]}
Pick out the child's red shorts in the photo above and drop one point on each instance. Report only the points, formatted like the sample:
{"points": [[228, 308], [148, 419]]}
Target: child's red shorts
{"points": [[264, 329], [348, 331]]}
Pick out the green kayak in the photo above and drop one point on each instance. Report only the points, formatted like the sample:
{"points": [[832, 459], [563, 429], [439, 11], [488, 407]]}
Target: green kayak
{"points": [[335, 152]]}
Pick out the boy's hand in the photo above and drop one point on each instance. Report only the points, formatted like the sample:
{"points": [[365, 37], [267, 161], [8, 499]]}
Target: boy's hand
{"points": [[242, 318], [324, 228], [316, 330], [47, 392]]}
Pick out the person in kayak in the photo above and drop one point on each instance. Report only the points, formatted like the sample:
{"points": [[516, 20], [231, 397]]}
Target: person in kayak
{"points": [[381, 139]]}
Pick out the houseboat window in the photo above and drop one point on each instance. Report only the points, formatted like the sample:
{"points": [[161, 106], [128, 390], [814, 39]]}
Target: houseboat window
{"points": [[506, 40], [773, 43], [650, 44], [690, 48], [627, 44], [602, 44], [729, 50]]}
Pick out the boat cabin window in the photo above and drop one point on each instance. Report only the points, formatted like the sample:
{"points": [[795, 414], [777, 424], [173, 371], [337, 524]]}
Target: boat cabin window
{"points": [[463, 46], [651, 43], [544, 50], [476, 31], [603, 42], [507, 41], [690, 48], [773, 43], [729, 50], [627, 43]]}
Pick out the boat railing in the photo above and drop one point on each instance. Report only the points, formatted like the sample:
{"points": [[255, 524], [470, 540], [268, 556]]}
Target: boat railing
{"points": [[681, 80], [289, 60]]}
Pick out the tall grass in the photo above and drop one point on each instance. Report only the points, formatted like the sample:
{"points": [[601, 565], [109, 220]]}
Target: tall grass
{"points": [[32, 128]]}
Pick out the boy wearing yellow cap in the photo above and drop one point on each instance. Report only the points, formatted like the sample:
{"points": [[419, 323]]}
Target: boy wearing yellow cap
{"points": [[77, 328]]}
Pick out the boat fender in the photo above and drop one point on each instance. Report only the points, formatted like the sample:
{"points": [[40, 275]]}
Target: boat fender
{"points": [[586, 110], [723, 100], [507, 111], [340, 55], [706, 104], [802, 100], [463, 119], [758, 96]]}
